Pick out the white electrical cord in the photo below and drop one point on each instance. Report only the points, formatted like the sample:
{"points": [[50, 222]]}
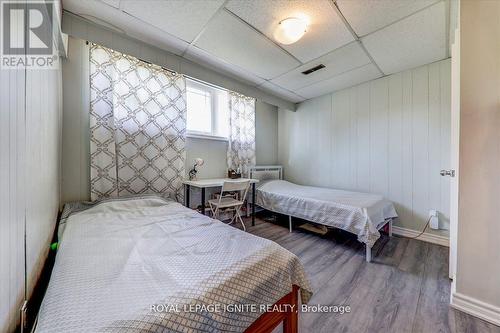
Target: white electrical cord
{"points": [[425, 228]]}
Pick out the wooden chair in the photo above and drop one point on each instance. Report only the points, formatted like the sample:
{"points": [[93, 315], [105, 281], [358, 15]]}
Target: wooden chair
{"points": [[227, 201]]}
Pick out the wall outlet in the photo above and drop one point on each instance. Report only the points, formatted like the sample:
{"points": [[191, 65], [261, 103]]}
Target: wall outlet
{"points": [[434, 219]]}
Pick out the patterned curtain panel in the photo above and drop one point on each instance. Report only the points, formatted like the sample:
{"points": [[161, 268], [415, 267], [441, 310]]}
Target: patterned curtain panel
{"points": [[137, 127], [241, 148]]}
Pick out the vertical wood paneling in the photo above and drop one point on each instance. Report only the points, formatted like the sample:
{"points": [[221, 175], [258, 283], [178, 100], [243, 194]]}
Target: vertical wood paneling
{"points": [[420, 137], [43, 161], [406, 210], [12, 201], [378, 136], [389, 136], [434, 142], [319, 129], [4, 196], [395, 133], [353, 141], [363, 122], [30, 111], [341, 117]]}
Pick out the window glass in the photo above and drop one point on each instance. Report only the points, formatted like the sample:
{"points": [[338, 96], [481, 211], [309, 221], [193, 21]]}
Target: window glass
{"points": [[199, 111], [207, 110]]}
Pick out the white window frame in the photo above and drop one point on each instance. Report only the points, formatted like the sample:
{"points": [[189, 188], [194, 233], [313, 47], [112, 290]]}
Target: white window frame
{"points": [[214, 110]]}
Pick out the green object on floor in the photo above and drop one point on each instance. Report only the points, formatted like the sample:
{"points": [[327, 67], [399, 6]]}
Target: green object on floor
{"points": [[54, 246]]}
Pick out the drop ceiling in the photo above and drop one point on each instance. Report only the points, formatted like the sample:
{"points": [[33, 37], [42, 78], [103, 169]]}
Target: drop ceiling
{"points": [[356, 40]]}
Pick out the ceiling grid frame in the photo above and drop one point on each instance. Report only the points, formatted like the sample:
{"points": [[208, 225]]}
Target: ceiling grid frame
{"points": [[399, 19], [263, 35], [380, 22], [353, 33], [192, 42]]}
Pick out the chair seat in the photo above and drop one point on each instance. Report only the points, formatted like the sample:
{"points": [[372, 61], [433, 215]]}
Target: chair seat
{"points": [[225, 202]]}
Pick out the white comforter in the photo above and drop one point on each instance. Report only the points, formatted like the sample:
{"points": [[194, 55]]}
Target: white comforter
{"points": [[118, 260], [358, 213]]}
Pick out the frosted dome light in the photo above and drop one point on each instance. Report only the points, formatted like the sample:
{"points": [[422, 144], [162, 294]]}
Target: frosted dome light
{"points": [[290, 30]]}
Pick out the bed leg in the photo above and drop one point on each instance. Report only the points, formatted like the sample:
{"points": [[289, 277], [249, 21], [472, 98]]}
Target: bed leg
{"points": [[390, 228], [290, 222], [368, 253]]}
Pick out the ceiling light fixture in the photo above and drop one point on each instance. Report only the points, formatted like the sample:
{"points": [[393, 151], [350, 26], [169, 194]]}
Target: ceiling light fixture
{"points": [[290, 30]]}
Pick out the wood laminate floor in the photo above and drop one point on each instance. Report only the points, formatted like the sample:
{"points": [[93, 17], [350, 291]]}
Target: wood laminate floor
{"points": [[405, 288]]}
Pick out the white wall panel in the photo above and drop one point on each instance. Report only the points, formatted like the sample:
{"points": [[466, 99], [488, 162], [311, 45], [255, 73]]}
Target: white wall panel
{"points": [[363, 136], [12, 203], [388, 136], [30, 110], [420, 137], [379, 94], [406, 210], [353, 142], [43, 166], [341, 139], [318, 127], [395, 133]]}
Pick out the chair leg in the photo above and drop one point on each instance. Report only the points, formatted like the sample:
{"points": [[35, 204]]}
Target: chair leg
{"points": [[242, 223], [212, 210], [233, 219]]}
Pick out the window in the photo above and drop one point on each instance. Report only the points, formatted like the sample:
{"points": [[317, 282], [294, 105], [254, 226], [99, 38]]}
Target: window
{"points": [[207, 111]]}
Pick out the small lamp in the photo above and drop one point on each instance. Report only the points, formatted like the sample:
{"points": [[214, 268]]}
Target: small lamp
{"points": [[192, 173]]}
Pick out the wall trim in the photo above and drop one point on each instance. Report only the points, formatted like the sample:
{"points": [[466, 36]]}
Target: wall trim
{"points": [[476, 308], [426, 237]]}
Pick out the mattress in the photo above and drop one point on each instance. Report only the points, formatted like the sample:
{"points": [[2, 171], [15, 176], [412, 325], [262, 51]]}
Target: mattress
{"points": [[359, 213], [147, 264]]}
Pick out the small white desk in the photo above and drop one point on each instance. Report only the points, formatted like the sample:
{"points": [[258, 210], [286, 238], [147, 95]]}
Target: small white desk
{"points": [[215, 182]]}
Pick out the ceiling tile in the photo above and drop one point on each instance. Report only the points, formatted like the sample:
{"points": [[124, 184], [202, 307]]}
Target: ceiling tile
{"points": [[204, 58], [103, 14], [114, 3], [366, 16], [183, 19], [233, 41], [325, 33], [280, 92], [345, 80], [341, 60], [417, 40]]}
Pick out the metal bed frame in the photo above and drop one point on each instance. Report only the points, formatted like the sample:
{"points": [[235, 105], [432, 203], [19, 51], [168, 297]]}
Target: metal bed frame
{"points": [[276, 172]]}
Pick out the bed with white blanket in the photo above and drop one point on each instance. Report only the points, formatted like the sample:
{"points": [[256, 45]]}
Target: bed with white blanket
{"points": [[145, 264], [362, 214]]}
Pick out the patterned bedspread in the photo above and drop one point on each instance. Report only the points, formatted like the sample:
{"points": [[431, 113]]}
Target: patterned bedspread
{"points": [[150, 265], [359, 213]]}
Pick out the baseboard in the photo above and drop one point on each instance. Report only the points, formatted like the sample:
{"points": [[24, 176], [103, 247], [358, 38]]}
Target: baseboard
{"points": [[426, 237], [476, 308]]}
